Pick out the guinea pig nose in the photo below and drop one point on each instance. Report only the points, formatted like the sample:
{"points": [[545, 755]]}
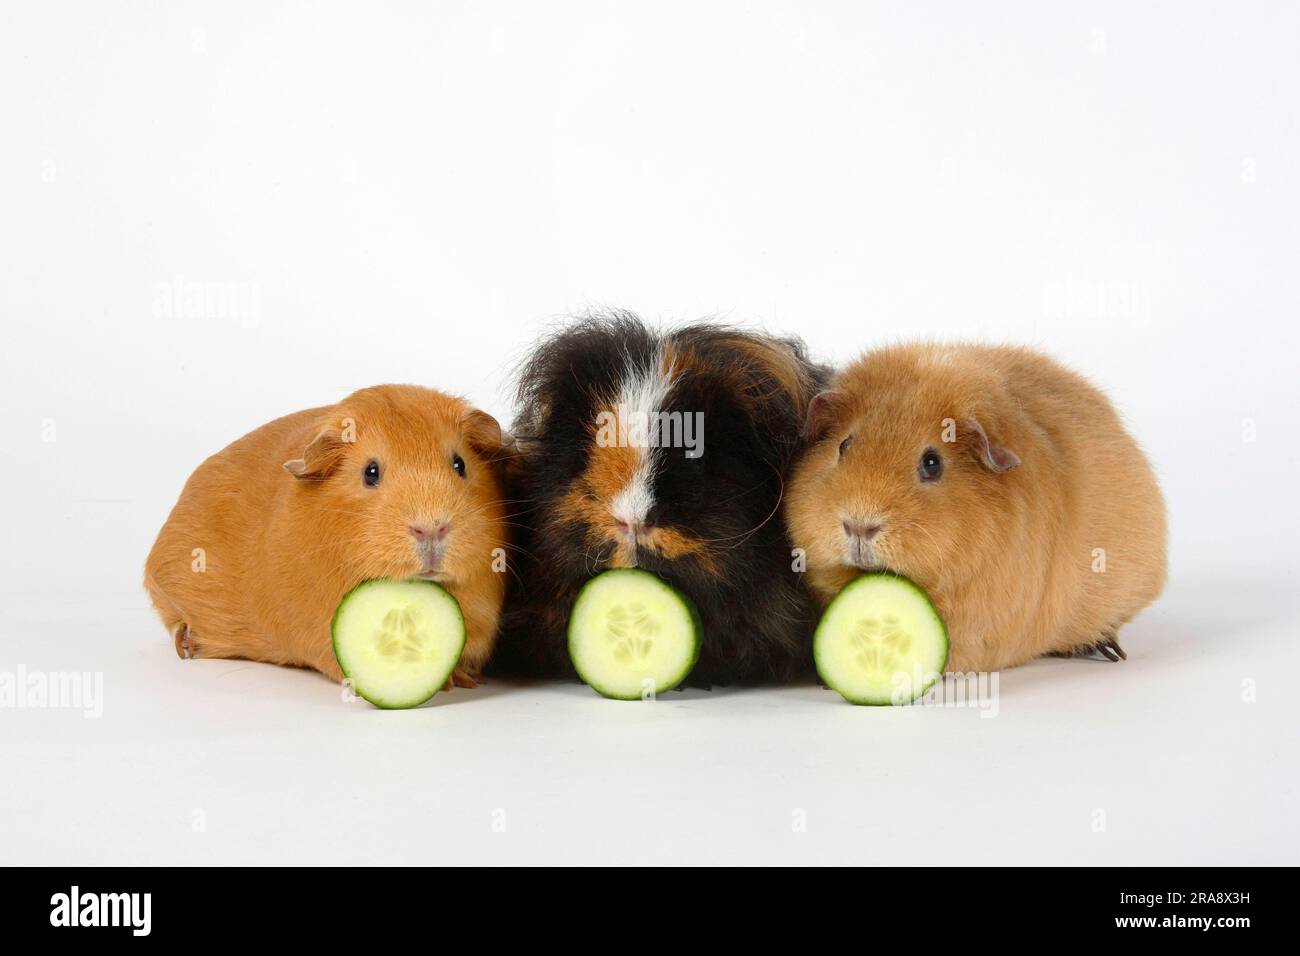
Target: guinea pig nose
{"points": [[637, 526], [434, 531], [860, 529]]}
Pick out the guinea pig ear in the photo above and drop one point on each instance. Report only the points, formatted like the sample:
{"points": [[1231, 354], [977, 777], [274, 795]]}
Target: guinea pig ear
{"points": [[823, 412], [321, 458], [483, 433], [996, 458]]}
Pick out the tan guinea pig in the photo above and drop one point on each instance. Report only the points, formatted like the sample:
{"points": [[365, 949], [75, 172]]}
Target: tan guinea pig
{"points": [[1002, 483], [395, 481]]}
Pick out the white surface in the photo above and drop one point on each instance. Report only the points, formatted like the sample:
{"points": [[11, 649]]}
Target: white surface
{"points": [[412, 193]]}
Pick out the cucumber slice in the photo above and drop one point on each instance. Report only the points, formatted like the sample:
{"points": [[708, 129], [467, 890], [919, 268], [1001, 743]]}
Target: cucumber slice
{"points": [[881, 641], [398, 641], [631, 633]]}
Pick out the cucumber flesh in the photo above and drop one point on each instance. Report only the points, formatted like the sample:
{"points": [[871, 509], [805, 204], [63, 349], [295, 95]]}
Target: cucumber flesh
{"points": [[632, 635], [398, 641], [881, 641]]}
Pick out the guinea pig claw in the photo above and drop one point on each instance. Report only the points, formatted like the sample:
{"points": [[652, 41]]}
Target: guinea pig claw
{"points": [[181, 638], [1110, 649]]}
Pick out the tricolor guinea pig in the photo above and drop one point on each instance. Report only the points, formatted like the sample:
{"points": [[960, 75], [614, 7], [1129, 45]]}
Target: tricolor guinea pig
{"points": [[1000, 482], [667, 452], [395, 481]]}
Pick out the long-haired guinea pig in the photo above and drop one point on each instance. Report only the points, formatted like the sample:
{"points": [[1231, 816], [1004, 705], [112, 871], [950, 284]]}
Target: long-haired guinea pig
{"points": [[1000, 482], [603, 488], [395, 481]]}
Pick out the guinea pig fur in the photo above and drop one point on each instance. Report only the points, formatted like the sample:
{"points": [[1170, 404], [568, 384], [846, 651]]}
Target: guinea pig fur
{"points": [[395, 481], [602, 490], [1003, 484]]}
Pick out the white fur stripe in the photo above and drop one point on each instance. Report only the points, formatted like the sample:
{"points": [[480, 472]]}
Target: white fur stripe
{"points": [[641, 396]]}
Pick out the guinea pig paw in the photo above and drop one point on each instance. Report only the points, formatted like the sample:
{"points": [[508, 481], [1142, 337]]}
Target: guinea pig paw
{"points": [[1108, 647], [184, 642], [461, 678]]}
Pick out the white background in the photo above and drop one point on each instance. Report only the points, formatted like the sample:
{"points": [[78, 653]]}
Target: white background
{"points": [[413, 192]]}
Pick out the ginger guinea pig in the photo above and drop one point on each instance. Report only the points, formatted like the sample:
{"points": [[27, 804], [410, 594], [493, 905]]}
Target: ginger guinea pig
{"points": [[1002, 483], [395, 481], [700, 511]]}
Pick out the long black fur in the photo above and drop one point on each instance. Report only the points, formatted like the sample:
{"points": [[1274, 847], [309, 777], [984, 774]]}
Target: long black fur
{"points": [[756, 615]]}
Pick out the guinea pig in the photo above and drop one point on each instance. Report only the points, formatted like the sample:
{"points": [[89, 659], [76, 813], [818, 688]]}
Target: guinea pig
{"points": [[1002, 483], [395, 481], [604, 485]]}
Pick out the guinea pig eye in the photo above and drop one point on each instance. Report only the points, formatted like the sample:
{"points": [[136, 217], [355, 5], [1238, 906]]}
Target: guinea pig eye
{"points": [[931, 465], [844, 445], [458, 465], [371, 474]]}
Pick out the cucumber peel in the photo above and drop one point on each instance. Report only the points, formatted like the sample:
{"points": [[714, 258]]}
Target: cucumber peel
{"points": [[632, 635], [398, 641], [881, 641]]}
